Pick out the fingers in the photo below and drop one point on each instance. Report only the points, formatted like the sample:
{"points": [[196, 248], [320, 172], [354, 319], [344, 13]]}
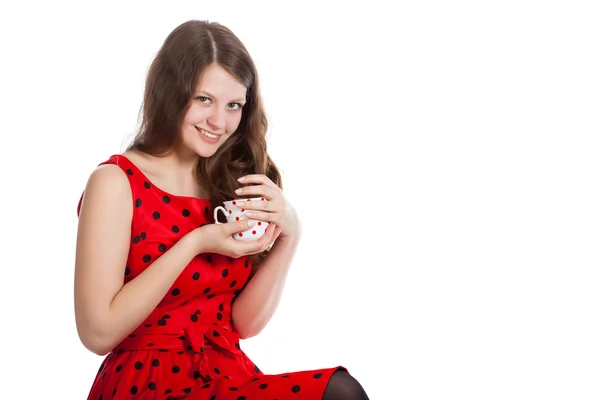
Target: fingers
{"points": [[239, 226], [259, 178], [271, 237], [257, 246], [261, 215], [263, 190], [261, 205]]}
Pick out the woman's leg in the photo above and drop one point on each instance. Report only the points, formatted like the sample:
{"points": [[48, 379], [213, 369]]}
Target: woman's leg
{"points": [[342, 386]]}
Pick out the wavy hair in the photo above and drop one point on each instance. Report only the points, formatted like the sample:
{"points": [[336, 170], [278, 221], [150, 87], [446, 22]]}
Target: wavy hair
{"points": [[170, 83]]}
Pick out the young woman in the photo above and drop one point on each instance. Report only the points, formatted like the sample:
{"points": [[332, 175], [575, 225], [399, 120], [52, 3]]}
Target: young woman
{"points": [[159, 287]]}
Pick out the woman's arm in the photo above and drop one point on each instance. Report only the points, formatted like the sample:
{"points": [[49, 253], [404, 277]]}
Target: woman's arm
{"points": [[106, 311], [255, 305]]}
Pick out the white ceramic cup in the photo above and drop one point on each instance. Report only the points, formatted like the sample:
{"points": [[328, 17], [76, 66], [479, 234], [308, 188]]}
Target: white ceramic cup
{"points": [[234, 211]]}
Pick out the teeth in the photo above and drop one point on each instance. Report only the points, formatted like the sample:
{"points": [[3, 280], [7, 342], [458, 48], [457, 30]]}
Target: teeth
{"points": [[210, 135]]}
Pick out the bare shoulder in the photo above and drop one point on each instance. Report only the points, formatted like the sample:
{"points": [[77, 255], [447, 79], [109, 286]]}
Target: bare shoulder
{"points": [[107, 187]]}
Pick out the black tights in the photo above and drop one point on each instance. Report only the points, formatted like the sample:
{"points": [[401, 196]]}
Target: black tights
{"points": [[342, 386]]}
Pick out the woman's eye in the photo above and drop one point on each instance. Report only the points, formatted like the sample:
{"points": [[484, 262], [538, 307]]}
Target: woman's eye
{"points": [[235, 106], [203, 99]]}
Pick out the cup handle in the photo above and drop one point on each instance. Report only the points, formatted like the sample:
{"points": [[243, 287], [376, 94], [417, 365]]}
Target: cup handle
{"points": [[216, 213]]}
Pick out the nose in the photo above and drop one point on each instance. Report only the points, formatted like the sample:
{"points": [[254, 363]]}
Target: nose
{"points": [[217, 118]]}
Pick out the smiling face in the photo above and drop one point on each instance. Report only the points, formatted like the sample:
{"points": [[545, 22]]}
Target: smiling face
{"points": [[214, 113]]}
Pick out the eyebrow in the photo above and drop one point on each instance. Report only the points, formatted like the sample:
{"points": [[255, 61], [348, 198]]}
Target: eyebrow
{"points": [[241, 100]]}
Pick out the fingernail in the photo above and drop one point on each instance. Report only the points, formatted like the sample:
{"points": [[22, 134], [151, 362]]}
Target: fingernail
{"points": [[252, 222], [241, 179], [238, 191]]}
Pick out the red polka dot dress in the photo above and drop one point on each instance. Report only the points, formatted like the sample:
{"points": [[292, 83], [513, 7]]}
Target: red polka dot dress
{"points": [[188, 348]]}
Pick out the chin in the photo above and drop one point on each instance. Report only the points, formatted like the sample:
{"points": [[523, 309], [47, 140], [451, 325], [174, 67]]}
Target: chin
{"points": [[204, 150]]}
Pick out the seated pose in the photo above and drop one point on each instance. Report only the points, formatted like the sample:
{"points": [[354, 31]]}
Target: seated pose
{"points": [[160, 288]]}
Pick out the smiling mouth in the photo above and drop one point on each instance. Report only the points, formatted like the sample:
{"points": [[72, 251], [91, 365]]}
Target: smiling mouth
{"points": [[207, 134]]}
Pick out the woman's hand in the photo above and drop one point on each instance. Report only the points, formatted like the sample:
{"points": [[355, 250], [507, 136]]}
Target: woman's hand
{"points": [[219, 239], [276, 210]]}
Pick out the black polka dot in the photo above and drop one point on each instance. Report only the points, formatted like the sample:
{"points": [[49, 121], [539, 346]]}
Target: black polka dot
{"points": [[129, 171], [175, 292], [233, 283], [221, 307], [155, 362], [296, 389], [206, 386], [206, 210], [127, 271], [119, 367], [138, 365], [210, 296], [206, 290], [146, 258], [216, 334], [152, 386], [197, 374], [166, 199], [162, 248], [156, 215], [197, 312], [233, 388], [237, 346], [285, 376], [166, 316], [143, 235], [162, 322], [219, 316], [101, 368], [185, 212], [241, 398], [150, 344], [133, 390], [147, 325], [194, 318], [256, 369], [175, 369], [136, 239], [147, 185], [246, 263], [236, 292], [168, 391], [196, 276], [224, 273], [217, 371], [209, 258], [255, 379], [138, 202], [263, 386], [187, 390]]}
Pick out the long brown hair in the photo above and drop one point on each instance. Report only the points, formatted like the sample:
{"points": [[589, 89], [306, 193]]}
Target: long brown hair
{"points": [[170, 83]]}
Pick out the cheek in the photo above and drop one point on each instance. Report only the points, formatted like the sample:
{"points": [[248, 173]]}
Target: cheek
{"points": [[234, 122], [194, 115]]}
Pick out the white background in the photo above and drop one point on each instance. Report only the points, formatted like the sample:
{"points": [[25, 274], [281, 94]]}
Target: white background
{"points": [[443, 157]]}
